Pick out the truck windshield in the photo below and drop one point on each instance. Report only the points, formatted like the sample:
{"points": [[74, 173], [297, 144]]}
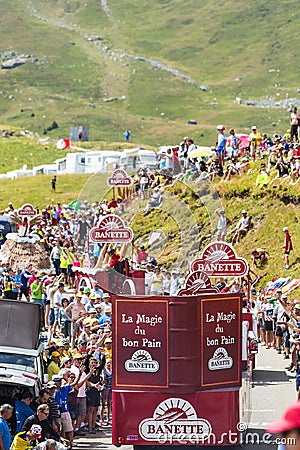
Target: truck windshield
{"points": [[23, 360]]}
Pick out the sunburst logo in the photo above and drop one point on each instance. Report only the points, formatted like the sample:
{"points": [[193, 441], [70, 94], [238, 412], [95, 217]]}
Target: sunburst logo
{"points": [[219, 259], [175, 419], [141, 361], [196, 283], [119, 178], [111, 229], [220, 360]]}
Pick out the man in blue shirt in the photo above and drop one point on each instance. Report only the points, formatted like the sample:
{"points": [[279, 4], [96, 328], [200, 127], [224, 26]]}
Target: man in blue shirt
{"points": [[17, 279], [23, 410], [25, 275], [6, 411]]}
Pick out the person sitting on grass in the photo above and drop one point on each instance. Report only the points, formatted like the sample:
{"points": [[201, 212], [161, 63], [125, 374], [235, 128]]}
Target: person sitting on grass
{"points": [[242, 227]]}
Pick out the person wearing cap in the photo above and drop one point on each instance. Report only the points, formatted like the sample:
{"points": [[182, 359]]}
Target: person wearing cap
{"points": [[242, 227], [221, 144], [142, 255], [54, 409], [223, 221], [105, 302], [37, 290], [26, 274], [105, 319], [288, 427], [91, 303], [287, 247], [280, 319], [154, 201], [233, 143], [86, 296], [254, 139], [74, 312], [27, 439], [108, 348], [267, 310], [53, 368], [62, 396]]}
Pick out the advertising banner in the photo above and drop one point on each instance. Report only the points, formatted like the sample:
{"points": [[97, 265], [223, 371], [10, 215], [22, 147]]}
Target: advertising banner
{"points": [[141, 350], [220, 338]]}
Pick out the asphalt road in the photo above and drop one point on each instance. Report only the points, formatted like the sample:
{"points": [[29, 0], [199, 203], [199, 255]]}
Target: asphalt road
{"points": [[273, 390]]}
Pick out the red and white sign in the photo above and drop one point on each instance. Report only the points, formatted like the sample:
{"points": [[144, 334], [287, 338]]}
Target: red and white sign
{"points": [[197, 283], [141, 351], [174, 416], [220, 342], [219, 259], [62, 144], [111, 229], [27, 210], [119, 178]]}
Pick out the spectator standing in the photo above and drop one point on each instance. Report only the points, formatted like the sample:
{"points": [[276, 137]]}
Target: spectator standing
{"points": [[53, 368], [6, 411], [222, 225], [53, 184], [287, 247], [23, 410], [221, 144], [294, 124], [254, 139], [233, 144], [127, 135]]}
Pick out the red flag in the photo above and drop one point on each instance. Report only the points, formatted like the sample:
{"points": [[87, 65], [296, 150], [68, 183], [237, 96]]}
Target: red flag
{"points": [[63, 143]]}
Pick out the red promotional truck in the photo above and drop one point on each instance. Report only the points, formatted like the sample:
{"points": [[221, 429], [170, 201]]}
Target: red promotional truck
{"points": [[182, 364], [178, 376]]}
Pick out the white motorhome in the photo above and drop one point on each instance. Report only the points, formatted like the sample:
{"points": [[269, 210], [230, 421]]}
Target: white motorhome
{"points": [[45, 169], [18, 173], [88, 162], [101, 161], [71, 163], [137, 158]]}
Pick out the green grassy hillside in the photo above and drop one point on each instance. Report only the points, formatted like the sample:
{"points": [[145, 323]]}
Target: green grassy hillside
{"points": [[91, 51]]}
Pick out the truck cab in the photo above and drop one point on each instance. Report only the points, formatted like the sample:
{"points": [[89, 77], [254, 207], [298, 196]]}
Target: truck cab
{"points": [[21, 362]]}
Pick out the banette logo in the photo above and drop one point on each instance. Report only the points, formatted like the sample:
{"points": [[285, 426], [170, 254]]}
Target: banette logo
{"points": [[196, 283], [141, 361], [119, 178], [219, 259], [27, 210], [220, 360], [174, 419], [111, 229]]}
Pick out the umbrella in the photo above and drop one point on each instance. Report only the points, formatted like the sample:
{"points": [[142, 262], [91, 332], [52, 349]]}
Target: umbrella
{"points": [[244, 140], [199, 152]]}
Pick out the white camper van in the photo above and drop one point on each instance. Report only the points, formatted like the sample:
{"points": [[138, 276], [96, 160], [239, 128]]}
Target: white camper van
{"points": [[137, 158], [71, 163], [88, 162], [101, 161]]}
